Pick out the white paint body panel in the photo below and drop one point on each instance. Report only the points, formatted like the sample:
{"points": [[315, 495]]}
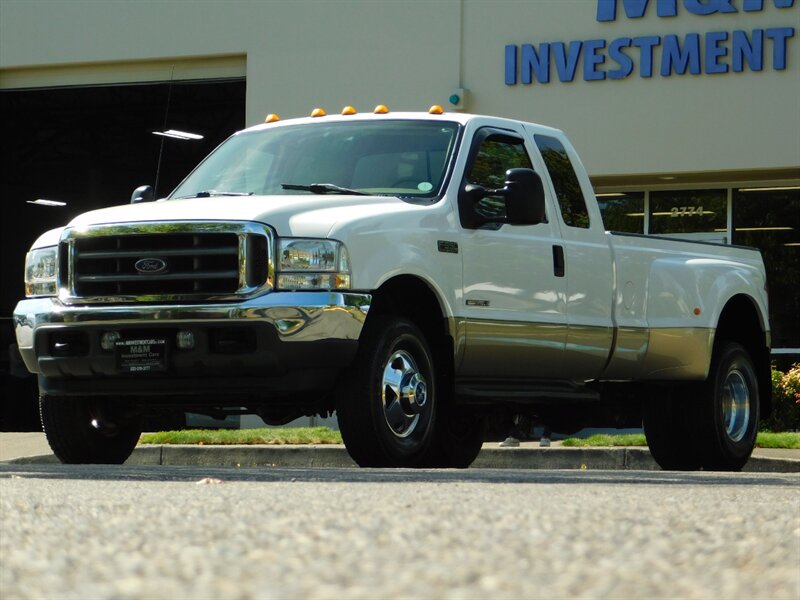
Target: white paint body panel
{"points": [[614, 283]]}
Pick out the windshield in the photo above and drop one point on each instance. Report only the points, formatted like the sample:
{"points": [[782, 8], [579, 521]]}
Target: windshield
{"points": [[403, 158]]}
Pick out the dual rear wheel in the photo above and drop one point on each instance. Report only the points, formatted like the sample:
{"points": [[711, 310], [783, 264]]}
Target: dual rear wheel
{"points": [[712, 425]]}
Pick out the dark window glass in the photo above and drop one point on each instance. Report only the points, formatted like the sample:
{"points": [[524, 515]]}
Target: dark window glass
{"points": [[565, 181], [496, 156], [688, 211], [770, 221], [622, 212]]}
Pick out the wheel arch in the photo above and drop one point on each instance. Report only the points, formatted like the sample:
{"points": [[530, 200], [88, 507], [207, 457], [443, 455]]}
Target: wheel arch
{"points": [[413, 298], [741, 321]]}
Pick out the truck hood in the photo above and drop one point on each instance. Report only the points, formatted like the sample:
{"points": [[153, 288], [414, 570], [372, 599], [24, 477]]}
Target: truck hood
{"points": [[295, 215]]}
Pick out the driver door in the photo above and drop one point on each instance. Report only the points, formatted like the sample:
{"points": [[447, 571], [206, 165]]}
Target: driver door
{"points": [[514, 298]]}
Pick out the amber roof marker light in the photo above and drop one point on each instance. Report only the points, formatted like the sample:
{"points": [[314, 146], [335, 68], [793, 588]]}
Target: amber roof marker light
{"points": [[318, 112], [436, 110], [271, 118], [381, 109], [348, 110]]}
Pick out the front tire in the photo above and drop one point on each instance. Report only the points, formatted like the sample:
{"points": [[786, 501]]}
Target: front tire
{"points": [[387, 402], [458, 438], [88, 430]]}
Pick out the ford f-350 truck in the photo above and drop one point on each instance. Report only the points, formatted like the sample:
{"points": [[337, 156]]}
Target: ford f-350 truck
{"points": [[421, 275]]}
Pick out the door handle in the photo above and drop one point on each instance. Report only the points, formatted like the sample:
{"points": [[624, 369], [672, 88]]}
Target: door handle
{"points": [[558, 261]]}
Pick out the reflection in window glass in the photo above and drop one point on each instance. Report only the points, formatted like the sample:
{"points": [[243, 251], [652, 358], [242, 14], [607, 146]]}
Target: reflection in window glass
{"points": [[688, 211], [495, 157], [409, 158], [565, 181], [770, 221], [622, 212]]}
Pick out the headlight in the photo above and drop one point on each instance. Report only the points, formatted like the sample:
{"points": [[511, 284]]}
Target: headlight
{"points": [[41, 272], [305, 264]]}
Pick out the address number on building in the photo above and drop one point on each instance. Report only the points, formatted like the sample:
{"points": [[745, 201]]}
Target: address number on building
{"points": [[141, 356], [686, 211]]}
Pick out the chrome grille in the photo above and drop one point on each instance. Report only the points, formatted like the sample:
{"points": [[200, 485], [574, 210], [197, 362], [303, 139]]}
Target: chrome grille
{"points": [[167, 261]]}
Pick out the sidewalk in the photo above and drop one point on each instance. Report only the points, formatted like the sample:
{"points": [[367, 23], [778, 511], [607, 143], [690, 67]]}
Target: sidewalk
{"points": [[31, 448]]}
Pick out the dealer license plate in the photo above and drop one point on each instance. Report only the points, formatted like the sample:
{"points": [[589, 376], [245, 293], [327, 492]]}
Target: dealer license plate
{"points": [[141, 356]]}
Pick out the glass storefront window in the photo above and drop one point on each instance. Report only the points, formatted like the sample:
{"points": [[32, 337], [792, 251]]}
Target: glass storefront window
{"points": [[769, 219], [688, 211], [622, 212]]}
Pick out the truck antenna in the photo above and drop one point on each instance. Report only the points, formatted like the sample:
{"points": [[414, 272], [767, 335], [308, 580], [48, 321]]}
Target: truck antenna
{"points": [[166, 115]]}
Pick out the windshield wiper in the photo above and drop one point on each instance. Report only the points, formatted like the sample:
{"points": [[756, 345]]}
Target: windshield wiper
{"points": [[322, 188], [210, 193]]}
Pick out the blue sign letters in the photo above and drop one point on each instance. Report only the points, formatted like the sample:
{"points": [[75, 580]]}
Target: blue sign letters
{"points": [[712, 53], [635, 9]]}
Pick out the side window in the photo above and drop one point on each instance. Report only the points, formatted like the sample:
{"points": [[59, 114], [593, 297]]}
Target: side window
{"points": [[496, 155], [565, 181]]}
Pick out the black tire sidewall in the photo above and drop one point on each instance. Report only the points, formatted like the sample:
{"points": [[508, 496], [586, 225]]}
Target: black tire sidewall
{"points": [[67, 426], [721, 451], [667, 419], [459, 437], [367, 435], [404, 337]]}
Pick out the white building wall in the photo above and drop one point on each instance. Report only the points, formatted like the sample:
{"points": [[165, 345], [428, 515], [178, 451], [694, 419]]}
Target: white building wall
{"points": [[409, 54]]}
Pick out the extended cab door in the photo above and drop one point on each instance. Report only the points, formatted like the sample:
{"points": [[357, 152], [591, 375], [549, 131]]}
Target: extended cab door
{"points": [[587, 260], [513, 303]]}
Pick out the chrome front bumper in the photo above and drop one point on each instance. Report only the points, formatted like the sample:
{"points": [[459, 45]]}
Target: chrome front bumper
{"points": [[295, 317]]}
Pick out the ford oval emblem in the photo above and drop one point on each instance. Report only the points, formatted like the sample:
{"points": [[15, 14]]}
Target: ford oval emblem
{"points": [[150, 266]]}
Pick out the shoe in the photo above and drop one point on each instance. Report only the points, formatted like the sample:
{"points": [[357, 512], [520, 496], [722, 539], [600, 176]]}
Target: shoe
{"points": [[544, 442], [509, 442]]}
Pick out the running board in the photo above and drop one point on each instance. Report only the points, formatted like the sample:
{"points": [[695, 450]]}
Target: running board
{"points": [[524, 392]]}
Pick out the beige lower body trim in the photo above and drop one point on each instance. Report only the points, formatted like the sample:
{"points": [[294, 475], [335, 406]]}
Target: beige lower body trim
{"points": [[535, 350], [678, 353], [512, 349], [486, 348]]}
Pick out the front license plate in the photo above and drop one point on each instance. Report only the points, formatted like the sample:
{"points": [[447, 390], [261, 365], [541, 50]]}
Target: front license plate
{"points": [[141, 356]]}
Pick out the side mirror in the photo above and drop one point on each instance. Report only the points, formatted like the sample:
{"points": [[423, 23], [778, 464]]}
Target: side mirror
{"points": [[524, 194], [143, 193]]}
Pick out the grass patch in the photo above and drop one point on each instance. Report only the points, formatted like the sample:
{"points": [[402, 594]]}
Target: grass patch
{"points": [[765, 439], [602, 439], [273, 436], [784, 439], [224, 437]]}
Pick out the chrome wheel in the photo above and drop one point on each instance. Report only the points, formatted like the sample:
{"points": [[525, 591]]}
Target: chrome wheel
{"points": [[725, 420], [404, 393], [387, 405], [735, 405]]}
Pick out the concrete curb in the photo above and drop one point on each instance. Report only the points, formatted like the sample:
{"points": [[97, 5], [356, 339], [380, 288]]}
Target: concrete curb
{"points": [[334, 456]]}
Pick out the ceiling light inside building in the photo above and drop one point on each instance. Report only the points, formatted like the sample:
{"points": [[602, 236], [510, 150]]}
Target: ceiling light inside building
{"points": [[179, 135], [771, 189], [43, 202]]}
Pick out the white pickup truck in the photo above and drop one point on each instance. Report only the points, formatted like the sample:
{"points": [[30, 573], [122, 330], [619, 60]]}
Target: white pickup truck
{"points": [[422, 275]]}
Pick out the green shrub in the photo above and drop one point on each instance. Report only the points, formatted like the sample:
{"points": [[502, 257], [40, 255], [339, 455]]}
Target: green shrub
{"points": [[785, 401]]}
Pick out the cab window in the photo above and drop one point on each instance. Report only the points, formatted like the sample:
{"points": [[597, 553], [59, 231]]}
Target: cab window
{"points": [[496, 155], [565, 181]]}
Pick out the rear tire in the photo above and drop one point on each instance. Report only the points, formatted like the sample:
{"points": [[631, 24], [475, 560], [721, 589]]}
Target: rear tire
{"points": [[668, 427], [386, 404], [728, 410], [88, 430]]}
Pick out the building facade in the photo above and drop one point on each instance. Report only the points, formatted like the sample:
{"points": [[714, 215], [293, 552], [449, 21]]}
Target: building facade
{"points": [[686, 112]]}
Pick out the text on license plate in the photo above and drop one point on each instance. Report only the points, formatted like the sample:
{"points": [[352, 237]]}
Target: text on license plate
{"points": [[141, 356]]}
